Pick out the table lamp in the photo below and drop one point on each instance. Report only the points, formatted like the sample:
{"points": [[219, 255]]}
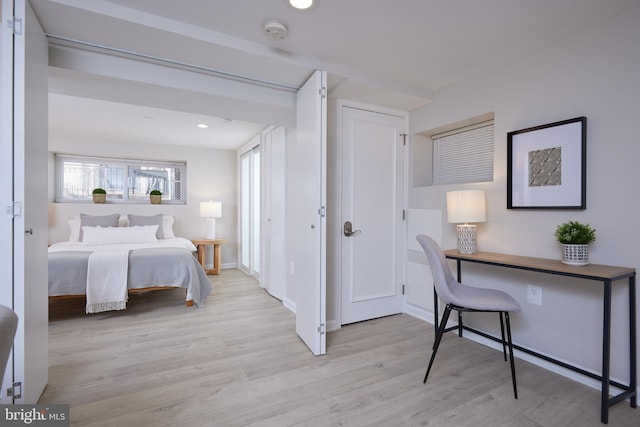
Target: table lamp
{"points": [[211, 210], [463, 207]]}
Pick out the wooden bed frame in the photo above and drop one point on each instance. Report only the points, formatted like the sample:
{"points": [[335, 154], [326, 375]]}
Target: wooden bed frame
{"points": [[188, 303]]}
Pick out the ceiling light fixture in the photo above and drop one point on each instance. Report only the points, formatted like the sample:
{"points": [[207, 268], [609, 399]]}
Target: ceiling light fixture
{"points": [[301, 4], [202, 126], [274, 30]]}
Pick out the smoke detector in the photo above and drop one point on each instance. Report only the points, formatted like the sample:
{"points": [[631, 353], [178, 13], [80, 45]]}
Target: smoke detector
{"points": [[274, 30]]}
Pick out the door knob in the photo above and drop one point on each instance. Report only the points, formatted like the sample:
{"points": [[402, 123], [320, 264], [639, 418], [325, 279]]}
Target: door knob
{"points": [[348, 229]]}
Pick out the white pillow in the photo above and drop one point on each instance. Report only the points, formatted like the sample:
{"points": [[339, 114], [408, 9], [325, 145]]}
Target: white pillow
{"points": [[114, 235], [74, 225], [167, 226]]}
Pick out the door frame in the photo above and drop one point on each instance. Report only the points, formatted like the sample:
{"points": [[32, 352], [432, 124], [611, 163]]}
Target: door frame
{"points": [[334, 223]]}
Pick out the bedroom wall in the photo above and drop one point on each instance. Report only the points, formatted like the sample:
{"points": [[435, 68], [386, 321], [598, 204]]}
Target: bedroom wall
{"points": [[211, 174], [596, 74]]}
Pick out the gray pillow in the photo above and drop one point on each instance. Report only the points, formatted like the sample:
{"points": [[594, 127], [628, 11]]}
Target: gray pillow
{"points": [[97, 221], [148, 220]]}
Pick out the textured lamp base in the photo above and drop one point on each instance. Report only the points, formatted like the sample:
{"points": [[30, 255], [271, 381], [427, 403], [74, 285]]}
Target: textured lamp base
{"points": [[211, 229], [467, 242]]}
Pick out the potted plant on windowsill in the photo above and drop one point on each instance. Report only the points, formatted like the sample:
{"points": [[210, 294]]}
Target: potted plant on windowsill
{"points": [[155, 196], [574, 238], [99, 195]]}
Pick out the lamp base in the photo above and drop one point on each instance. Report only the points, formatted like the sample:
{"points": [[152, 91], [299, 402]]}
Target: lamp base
{"points": [[211, 229], [467, 241]]}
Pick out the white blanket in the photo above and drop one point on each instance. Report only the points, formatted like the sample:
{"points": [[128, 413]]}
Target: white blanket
{"points": [[176, 242], [107, 280]]}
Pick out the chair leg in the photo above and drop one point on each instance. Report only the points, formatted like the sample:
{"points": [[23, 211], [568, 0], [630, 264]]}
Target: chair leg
{"points": [[504, 346], [460, 323], [513, 367], [443, 325]]}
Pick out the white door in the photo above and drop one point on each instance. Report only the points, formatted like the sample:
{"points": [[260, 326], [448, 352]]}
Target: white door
{"points": [[6, 180], [308, 268], [250, 208], [244, 254], [274, 226], [372, 207], [24, 135]]}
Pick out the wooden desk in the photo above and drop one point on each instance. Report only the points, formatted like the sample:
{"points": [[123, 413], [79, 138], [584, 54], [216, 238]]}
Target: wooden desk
{"points": [[602, 273], [201, 243]]}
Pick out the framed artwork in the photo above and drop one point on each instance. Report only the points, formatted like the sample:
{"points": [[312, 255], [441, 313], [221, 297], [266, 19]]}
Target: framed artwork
{"points": [[546, 166]]}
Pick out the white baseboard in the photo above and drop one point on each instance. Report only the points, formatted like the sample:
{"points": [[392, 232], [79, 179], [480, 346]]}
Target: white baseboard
{"points": [[291, 305], [419, 312], [225, 266]]}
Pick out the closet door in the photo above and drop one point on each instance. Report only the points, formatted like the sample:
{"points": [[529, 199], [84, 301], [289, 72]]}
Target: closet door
{"points": [[308, 268], [274, 225], [250, 209], [24, 224]]}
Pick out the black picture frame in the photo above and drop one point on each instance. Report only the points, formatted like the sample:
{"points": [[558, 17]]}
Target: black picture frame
{"points": [[547, 166]]}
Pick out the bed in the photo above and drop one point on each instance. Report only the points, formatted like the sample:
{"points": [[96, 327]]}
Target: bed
{"points": [[106, 258]]}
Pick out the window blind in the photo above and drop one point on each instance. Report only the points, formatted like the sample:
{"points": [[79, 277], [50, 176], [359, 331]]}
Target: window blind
{"points": [[463, 155]]}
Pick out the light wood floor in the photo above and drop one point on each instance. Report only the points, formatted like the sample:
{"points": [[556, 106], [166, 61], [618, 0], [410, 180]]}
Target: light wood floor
{"points": [[238, 362]]}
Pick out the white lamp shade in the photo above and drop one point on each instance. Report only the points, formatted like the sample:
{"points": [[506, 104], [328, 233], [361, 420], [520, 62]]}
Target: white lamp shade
{"points": [[466, 206], [211, 209]]}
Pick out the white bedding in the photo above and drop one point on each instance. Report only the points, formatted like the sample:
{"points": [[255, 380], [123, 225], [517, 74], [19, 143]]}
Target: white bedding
{"points": [[166, 262], [176, 242]]}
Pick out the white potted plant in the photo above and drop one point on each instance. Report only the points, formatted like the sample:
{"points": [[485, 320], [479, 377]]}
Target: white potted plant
{"points": [[574, 238]]}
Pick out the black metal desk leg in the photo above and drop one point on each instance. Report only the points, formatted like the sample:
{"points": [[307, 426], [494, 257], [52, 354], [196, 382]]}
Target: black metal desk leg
{"points": [[633, 367], [606, 352]]}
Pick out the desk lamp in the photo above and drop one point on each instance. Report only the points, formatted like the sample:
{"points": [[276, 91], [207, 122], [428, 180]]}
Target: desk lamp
{"points": [[211, 210], [463, 207]]}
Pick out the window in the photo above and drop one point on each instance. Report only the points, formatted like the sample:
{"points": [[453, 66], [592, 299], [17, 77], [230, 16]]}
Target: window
{"points": [[126, 181], [463, 155]]}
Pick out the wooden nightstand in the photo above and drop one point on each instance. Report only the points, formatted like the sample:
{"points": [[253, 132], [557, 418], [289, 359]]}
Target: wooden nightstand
{"points": [[201, 243]]}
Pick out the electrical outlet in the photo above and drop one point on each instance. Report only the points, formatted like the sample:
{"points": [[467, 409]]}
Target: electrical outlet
{"points": [[534, 295]]}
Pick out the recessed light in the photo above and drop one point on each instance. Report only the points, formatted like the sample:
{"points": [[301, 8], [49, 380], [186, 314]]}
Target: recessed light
{"points": [[202, 126], [301, 4]]}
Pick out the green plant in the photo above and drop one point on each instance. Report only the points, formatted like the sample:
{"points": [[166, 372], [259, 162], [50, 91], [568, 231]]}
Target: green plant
{"points": [[155, 193], [99, 191], [575, 233]]}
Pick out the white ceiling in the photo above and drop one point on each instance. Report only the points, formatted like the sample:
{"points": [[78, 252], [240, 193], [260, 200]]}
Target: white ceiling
{"points": [[393, 53]]}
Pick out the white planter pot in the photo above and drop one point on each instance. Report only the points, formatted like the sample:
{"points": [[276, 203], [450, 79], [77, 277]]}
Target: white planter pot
{"points": [[575, 254]]}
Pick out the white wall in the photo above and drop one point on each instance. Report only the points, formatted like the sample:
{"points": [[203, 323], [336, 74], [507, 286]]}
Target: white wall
{"points": [[596, 74], [211, 174]]}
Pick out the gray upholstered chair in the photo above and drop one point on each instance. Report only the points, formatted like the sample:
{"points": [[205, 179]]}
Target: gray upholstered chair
{"points": [[463, 298], [8, 325]]}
